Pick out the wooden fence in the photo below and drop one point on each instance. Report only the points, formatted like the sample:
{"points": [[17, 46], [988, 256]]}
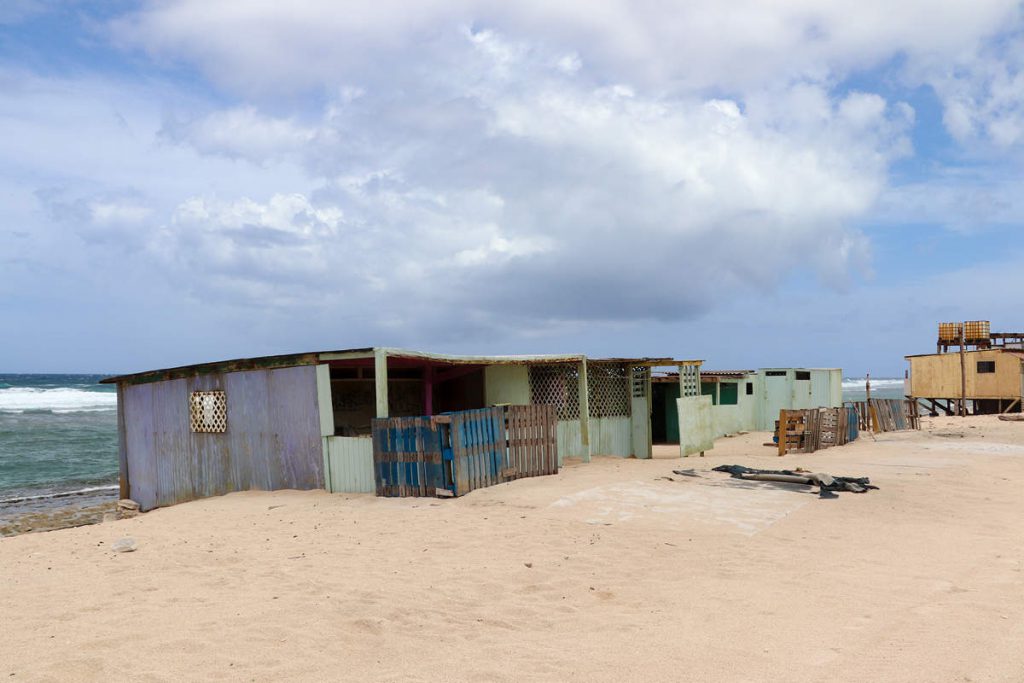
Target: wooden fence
{"points": [[887, 414], [455, 453], [807, 431]]}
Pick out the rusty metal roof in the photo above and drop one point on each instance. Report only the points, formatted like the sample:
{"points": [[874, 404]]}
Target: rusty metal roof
{"points": [[726, 373], [316, 357]]}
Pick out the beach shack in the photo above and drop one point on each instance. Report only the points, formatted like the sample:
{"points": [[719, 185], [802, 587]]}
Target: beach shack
{"points": [[973, 370], [730, 401], [304, 421]]}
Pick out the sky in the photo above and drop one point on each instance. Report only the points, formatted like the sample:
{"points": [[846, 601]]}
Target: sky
{"points": [[754, 183]]}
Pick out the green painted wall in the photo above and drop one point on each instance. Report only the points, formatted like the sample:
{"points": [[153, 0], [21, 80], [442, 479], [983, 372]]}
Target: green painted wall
{"points": [[671, 409], [708, 389], [664, 412], [507, 384]]}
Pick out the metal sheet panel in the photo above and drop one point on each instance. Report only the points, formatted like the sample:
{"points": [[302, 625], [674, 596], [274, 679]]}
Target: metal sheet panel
{"points": [[696, 424], [272, 440], [611, 436], [570, 442], [350, 464]]}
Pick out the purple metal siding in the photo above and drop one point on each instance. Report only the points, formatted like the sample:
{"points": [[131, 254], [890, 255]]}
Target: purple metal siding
{"points": [[272, 441]]}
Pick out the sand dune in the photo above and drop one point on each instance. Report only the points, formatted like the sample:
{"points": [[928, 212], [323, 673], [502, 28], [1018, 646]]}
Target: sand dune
{"points": [[609, 571]]}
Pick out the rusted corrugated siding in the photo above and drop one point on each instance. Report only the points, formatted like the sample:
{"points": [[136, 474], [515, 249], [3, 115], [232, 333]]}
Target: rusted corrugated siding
{"points": [[272, 441]]}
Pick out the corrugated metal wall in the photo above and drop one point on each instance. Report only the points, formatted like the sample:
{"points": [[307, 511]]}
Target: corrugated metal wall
{"points": [[272, 441], [349, 464], [611, 436], [570, 441]]}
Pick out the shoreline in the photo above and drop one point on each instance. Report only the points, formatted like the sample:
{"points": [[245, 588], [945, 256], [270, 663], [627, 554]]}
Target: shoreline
{"points": [[35, 512]]}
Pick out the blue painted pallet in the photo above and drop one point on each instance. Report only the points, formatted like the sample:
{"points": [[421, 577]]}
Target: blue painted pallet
{"points": [[455, 453]]}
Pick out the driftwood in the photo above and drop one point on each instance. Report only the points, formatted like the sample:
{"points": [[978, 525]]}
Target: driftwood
{"points": [[826, 483]]}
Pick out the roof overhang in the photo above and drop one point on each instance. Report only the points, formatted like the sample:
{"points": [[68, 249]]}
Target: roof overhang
{"points": [[316, 357], [1015, 352]]}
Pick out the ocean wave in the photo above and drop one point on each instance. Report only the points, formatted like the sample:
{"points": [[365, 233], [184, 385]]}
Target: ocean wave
{"points": [[58, 400], [859, 383]]}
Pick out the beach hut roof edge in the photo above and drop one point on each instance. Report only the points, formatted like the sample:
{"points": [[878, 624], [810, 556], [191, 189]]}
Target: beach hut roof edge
{"points": [[316, 357]]}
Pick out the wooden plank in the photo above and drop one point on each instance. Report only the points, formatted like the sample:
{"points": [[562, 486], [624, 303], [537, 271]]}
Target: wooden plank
{"points": [[122, 445], [512, 464], [516, 458], [499, 445], [537, 434], [479, 452], [476, 449], [780, 432], [549, 430], [417, 460], [378, 450]]}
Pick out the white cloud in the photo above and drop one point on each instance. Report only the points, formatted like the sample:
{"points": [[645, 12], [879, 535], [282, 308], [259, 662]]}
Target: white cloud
{"points": [[242, 132], [983, 93], [111, 213], [564, 196], [541, 168], [695, 44]]}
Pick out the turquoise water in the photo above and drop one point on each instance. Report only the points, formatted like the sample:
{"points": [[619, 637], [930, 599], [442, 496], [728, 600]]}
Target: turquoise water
{"points": [[58, 438]]}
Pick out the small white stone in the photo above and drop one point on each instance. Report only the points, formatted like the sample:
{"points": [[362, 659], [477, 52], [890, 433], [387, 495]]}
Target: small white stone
{"points": [[124, 545]]}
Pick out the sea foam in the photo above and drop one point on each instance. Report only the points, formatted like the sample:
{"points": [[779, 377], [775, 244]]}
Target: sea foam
{"points": [[850, 383], [59, 400]]}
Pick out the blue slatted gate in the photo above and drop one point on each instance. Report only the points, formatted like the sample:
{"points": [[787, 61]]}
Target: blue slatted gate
{"points": [[455, 453], [852, 423]]}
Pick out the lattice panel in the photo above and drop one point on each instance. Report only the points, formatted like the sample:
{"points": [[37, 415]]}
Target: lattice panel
{"points": [[608, 390], [689, 378], [209, 412], [641, 381], [559, 386]]}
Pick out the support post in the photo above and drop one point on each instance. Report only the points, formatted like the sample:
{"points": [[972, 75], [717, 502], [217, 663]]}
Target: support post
{"points": [[963, 373], [125, 489], [679, 417], [584, 389], [380, 379], [783, 419], [428, 390]]}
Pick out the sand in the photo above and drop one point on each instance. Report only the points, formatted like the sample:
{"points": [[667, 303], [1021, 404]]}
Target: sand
{"points": [[607, 572]]}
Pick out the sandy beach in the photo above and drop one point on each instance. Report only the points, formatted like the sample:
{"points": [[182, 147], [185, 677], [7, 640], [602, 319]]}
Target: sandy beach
{"points": [[615, 570]]}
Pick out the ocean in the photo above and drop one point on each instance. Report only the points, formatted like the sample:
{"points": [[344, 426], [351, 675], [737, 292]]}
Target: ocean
{"points": [[881, 387], [58, 443]]}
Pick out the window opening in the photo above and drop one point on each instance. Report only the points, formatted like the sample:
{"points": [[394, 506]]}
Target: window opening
{"points": [[208, 412]]}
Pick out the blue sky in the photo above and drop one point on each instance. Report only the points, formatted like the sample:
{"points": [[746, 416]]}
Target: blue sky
{"points": [[755, 184]]}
